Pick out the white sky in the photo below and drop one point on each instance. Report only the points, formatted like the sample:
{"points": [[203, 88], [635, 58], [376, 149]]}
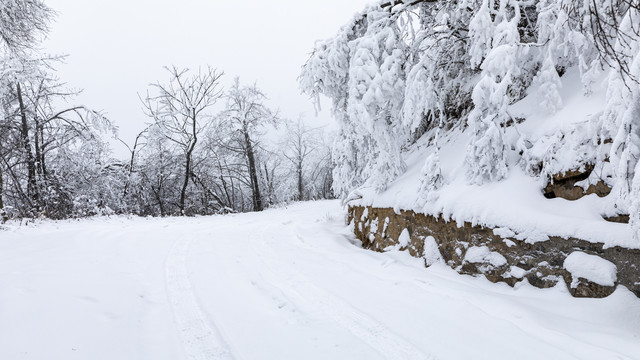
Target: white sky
{"points": [[117, 47]]}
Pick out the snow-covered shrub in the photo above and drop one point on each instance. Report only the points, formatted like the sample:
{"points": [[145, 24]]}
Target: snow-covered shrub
{"points": [[549, 84], [431, 180]]}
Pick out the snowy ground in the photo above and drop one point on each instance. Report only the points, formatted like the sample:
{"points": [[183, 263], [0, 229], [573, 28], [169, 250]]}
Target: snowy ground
{"points": [[283, 284]]}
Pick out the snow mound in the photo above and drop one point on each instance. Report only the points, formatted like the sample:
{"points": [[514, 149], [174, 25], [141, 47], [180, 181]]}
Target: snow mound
{"points": [[592, 268], [404, 238], [431, 252]]}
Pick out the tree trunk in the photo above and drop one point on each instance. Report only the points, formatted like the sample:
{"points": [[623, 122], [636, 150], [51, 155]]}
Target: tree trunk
{"points": [[32, 185], [187, 170], [3, 213], [43, 150], [269, 183], [37, 141], [253, 173], [131, 164], [300, 184], [157, 195]]}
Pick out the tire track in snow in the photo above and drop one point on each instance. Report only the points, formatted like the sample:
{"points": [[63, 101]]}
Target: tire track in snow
{"points": [[200, 340], [299, 289]]}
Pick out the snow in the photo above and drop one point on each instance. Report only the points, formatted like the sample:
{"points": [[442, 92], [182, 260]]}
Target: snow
{"points": [[482, 254], [509, 243], [504, 232], [517, 272], [431, 251], [515, 204], [404, 239], [373, 228], [287, 283], [592, 268], [473, 127], [365, 215]]}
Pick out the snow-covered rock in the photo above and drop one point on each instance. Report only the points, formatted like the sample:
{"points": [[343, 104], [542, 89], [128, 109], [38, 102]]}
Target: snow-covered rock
{"points": [[482, 254], [592, 268]]}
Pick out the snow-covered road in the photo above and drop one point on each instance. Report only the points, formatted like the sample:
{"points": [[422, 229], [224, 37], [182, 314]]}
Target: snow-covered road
{"points": [[283, 284]]}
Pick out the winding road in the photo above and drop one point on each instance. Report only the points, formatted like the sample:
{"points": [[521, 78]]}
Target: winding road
{"points": [[288, 283]]}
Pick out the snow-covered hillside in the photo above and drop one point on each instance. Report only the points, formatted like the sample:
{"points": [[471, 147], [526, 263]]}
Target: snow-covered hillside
{"points": [[562, 140], [283, 284], [469, 109]]}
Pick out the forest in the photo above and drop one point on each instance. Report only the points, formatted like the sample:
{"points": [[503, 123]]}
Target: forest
{"points": [[206, 149], [397, 73]]}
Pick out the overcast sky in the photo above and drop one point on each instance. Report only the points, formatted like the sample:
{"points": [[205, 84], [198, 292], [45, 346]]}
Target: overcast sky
{"points": [[117, 47]]}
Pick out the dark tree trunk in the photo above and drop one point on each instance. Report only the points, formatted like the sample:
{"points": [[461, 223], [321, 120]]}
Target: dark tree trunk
{"points": [[32, 185], [158, 195], [42, 161], [187, 168], [37, 141], [131, 165], [253, 173], [269, 184], [3, 213], [300, 181]]}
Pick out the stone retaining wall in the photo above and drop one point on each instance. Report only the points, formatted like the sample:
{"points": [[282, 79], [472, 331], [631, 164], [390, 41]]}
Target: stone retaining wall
{"points": [[540, 263]]}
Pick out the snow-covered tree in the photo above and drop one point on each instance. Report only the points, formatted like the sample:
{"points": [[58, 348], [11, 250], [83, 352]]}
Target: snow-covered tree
{"points": [[22, 23], [41, 131], [549, 86], [437, 89], [181, 108], [242, 124], [621, 118], [495, 91], [363, 72], [431, 179], [309, 161], [400, 69]]}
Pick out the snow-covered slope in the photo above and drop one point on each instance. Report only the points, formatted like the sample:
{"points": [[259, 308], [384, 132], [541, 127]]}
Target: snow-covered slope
{"points": [[501, 96], [284, 284], [517, 202]]}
